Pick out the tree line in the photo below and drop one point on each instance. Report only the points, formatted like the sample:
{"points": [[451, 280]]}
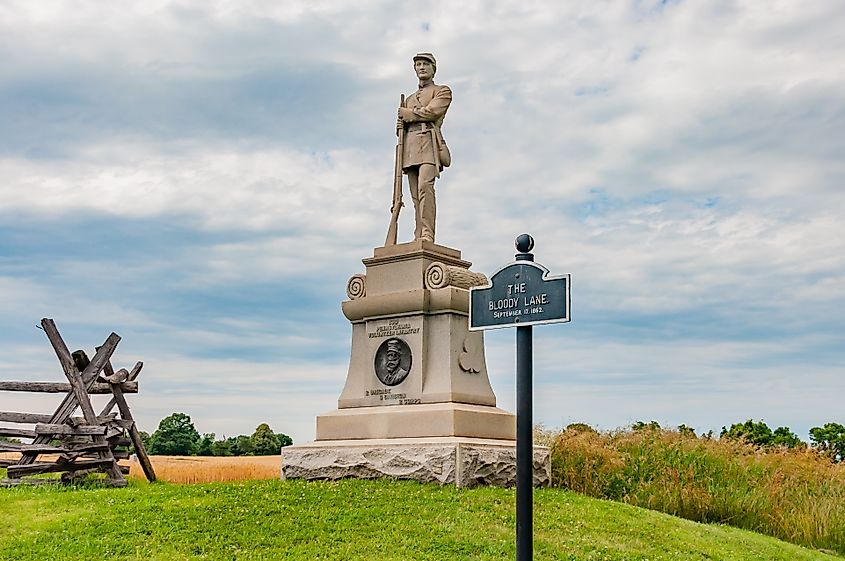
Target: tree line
{"points": [[177, 436], [828, 440]]}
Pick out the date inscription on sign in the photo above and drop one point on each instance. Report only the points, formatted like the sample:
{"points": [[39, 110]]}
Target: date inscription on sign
{"points": [[521, 293]]}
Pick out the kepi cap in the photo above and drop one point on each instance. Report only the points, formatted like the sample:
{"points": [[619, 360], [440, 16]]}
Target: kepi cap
{"points": [[425, 56]]}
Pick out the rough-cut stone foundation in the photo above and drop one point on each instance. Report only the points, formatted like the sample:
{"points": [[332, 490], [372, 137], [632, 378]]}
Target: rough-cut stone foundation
{"points": [[464, 462]]}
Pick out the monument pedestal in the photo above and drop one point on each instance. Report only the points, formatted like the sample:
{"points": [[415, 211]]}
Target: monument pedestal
{"points": [[415, 421], [417, 403], [464, 462]]}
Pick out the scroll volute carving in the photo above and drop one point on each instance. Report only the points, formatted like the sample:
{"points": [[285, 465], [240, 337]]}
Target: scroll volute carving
{"points": [[440, 275], [356, 287]]}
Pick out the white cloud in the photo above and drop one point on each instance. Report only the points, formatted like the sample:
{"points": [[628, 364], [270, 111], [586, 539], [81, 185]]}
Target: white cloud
{"points": [[268, 190]]}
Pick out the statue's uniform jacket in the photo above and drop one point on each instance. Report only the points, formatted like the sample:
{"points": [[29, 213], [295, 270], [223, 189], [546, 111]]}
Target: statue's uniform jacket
{"points": [[429, 104]]}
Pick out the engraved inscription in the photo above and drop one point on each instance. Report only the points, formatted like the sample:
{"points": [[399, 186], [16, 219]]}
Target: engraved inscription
{"points": [[506, 307], [388, 396], [393, 329]]}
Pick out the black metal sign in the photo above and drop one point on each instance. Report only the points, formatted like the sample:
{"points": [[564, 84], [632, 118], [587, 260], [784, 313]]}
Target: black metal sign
{"points": [[521, 293]]}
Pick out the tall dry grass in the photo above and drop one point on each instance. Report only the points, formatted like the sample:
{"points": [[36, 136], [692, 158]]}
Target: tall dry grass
{"points": [[795, 495], [206, 469]]}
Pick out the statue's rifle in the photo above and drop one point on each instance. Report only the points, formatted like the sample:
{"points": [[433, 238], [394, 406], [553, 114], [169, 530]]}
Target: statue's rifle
{"points": [[397, 182]]}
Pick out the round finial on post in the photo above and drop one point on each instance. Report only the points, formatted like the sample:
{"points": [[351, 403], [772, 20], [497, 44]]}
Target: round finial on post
{"points": [[524, 244]]}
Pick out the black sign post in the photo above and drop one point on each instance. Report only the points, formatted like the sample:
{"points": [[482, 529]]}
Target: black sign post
{"points": [[521, 295]]}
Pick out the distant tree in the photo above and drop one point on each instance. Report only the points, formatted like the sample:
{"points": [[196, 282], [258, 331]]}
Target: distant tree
{"points": [[640, 425], [221, 448], [264, 441], [760, 434], [783, 436], [686, 431], [579, 427], [242, 446], [10, 440], [284, 440], [830, 440], [205, 446], [176, 436], [145, 440], [749, 431]]}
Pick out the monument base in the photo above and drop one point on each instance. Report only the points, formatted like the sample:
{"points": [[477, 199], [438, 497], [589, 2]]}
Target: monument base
{"points": [[427, 420], [464, 462]]}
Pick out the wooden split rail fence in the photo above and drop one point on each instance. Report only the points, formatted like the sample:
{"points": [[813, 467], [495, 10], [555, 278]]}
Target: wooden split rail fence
{"points": [[73, 445]]}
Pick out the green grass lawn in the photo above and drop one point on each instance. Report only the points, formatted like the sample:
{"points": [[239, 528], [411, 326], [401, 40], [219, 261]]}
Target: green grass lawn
{"points": [[350, 520]]}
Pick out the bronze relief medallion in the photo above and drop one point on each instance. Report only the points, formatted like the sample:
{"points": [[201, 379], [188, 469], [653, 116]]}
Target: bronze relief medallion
{"points": [[392, 361]]}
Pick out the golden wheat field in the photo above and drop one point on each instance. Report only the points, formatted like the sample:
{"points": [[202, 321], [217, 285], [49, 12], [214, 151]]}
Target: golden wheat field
{"points": [[199, 469], [205, 469]]}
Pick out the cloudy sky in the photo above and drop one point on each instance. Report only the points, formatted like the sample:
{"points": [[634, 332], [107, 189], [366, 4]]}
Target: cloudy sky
{"points": [[202, 177]]}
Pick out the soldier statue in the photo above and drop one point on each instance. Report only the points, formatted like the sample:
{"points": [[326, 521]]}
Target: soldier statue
{"points": [[421, 152]]}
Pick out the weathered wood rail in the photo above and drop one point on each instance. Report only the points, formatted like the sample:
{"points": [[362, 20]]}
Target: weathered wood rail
{"points": [[76, 445], [59, 387]]}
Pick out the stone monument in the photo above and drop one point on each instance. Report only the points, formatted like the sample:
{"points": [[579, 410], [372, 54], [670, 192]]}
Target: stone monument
{"points": [[417, 403]]}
